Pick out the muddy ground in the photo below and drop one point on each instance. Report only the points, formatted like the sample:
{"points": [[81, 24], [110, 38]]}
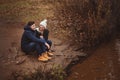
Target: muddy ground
{"points": [[12, 59], [13, 16]]}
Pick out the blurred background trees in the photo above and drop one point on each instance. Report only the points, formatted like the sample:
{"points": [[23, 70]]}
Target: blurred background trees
{"points": [[87, 23], [84, 23]]}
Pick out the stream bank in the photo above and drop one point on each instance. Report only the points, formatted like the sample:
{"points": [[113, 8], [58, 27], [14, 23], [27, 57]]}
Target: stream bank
{"points": [[102, 64]]}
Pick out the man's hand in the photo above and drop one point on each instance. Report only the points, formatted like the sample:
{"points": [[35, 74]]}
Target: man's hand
{"points": [[41, 37], [47, 45]]}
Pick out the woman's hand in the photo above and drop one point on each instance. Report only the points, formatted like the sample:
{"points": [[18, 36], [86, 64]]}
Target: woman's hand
{"points": [[47, 45]]}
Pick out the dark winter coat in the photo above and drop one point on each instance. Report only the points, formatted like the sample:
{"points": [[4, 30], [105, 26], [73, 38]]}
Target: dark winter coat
{"points": [[29, 36], [45, 34]]}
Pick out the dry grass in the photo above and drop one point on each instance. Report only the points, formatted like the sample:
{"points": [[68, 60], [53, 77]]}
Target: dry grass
{"points": [[84, 22], [55, 73], [88, 22], [25, 10]]}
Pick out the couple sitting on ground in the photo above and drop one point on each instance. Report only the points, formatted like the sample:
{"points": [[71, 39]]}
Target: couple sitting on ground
{"points": [[36, 39]]}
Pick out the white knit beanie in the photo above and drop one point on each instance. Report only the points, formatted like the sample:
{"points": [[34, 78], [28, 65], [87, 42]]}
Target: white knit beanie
{"points": [[44, 23]]}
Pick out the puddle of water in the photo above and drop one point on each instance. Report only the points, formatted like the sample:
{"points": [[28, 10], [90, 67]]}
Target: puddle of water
{"points": [[103, 64]]}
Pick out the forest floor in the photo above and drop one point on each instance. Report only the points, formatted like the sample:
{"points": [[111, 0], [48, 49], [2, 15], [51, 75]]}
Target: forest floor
{"points": [[14, 16], [12, 59]]}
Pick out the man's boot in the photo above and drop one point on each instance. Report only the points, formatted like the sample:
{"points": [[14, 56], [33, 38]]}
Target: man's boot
{"points": [[49, 53], [42, 58], [46, 55]]}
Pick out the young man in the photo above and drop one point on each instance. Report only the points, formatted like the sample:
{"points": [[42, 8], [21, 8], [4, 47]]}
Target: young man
{"points": [[43, 33], [30, 42]]}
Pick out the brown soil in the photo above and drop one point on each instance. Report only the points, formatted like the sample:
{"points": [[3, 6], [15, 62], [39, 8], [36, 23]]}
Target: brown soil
{"points": [[12, 59]]}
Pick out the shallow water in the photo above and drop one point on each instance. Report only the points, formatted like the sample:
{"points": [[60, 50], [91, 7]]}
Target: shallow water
{"points": [[103, 64]]}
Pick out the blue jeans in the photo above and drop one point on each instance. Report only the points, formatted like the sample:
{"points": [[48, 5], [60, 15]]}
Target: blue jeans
{"points": [[50, 43], [40, 48]]}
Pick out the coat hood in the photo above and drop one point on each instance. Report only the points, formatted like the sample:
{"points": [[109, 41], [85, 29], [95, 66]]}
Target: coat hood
{"points": [[28, 28]]}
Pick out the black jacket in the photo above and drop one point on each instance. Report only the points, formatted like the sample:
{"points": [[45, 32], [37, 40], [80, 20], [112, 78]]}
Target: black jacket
{"points": [[45, 34]]}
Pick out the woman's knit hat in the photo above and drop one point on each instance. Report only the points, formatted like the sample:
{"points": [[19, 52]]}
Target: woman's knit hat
{"points": [[44, 23]]}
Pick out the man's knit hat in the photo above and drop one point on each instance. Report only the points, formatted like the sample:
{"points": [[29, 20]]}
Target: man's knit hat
{"points": [[44, 23]]}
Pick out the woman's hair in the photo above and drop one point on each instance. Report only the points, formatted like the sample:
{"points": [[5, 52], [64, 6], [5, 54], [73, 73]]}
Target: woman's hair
{"points": [[30, 23]]}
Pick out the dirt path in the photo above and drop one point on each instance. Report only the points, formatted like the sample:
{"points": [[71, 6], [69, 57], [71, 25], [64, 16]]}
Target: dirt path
{"points": [[13, 60]]}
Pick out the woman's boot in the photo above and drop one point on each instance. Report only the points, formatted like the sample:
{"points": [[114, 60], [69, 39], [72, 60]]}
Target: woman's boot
{"points": [[42, 58]]}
